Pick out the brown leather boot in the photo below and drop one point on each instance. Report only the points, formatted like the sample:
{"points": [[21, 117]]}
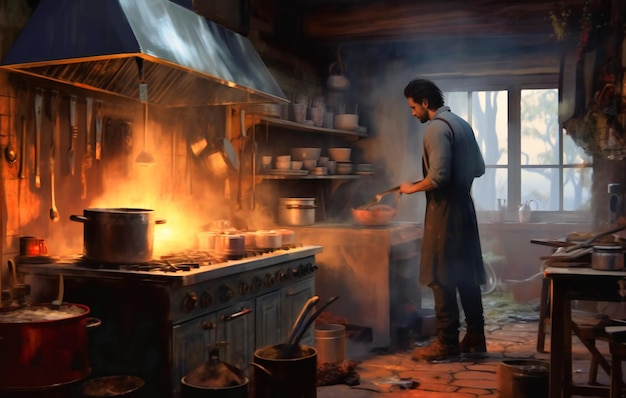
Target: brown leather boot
{"points": [[436, 351], [473, 343]]}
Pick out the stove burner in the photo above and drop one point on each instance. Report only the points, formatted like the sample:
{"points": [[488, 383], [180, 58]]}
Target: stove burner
{"points": [[185, 260]]}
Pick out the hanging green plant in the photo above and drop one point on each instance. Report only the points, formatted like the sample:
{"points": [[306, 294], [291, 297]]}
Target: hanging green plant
{"points": [[587, 21]]}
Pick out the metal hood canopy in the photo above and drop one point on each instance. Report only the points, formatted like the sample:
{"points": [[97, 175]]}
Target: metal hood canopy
{"points": [[186, 59]]}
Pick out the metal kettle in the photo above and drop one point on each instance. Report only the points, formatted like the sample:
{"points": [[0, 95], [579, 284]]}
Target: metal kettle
{"points": [[525, 210], [500, 211]]}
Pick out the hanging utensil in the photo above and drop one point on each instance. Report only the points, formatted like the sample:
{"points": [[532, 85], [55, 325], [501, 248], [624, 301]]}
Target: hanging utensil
{"points": [[253, 194], [22, 172], [98, 132], [38, 111], [242, 122], [10, 153], [144, 158], [86, 164], [54, 107], [73, 134], [56, 304]]}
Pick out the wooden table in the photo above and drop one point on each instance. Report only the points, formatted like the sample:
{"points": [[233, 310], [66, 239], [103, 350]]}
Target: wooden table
{"points": [[574, 284]]}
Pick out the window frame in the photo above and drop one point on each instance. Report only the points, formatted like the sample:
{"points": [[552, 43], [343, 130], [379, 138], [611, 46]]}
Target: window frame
{"points": [[514, 85]]}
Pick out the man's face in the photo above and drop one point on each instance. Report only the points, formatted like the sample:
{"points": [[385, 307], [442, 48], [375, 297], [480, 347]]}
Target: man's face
{"points": [[419, 110]]}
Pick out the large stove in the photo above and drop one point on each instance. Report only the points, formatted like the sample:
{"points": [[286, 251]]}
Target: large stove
{"points": [[160, 318]]}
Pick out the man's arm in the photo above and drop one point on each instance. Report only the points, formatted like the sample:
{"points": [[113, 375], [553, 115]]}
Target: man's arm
{"points": [[409, 187]]}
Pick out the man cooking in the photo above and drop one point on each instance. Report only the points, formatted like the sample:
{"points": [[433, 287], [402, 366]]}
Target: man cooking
{"points": [[451, 258]]}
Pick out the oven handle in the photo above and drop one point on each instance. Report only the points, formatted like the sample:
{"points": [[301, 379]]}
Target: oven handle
{"points": [[230, 317]]}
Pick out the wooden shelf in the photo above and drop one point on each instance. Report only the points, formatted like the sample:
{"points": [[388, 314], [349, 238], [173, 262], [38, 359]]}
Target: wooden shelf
{"points": [[287, 124], [310, 177]]}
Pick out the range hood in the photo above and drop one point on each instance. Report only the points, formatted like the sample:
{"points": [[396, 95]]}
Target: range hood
{"points": [[185, 59]]}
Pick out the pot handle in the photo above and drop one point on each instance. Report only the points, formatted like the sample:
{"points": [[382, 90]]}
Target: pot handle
{"points": [[76, 218], [304, 207], [92, 322], [160, 221], [267, 372]]}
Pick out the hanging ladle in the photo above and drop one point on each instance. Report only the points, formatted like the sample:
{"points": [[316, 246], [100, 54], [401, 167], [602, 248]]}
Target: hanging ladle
{"points": [[144, 158], [56, 304], [10, 153]]}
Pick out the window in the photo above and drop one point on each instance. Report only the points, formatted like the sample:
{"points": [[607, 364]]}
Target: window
{"points": [[528, 156]]}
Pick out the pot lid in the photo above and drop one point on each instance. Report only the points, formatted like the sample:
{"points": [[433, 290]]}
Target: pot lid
{"points": [[215, 374]]}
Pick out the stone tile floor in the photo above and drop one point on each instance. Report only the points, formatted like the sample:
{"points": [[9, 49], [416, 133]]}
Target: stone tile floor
{"points": [[511, 331]]}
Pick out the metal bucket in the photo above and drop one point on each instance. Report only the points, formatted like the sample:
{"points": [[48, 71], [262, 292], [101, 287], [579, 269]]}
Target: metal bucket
{"points": [[330, 342], [284, 378], [112, 386], [523, 378]]}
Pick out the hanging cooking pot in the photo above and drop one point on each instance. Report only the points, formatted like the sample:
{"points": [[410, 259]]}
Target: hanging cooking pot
{"points": [[44, 346], [118, 235], [219, 157], [215, 378]]}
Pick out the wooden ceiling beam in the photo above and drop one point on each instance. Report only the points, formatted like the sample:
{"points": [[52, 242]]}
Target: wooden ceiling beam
{"points": [[410, 20]]}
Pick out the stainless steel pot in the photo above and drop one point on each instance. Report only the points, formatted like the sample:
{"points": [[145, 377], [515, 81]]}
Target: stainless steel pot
{"points": [[118, 235], [268, 239], [296, 211], [607, 258], [230, 245]]}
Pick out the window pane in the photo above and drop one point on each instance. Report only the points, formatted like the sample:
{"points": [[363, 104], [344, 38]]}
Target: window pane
{"points": [[542, 185], [457, 101], [490, 122], [539, 127], [577, 188], [490, 187], [572, 153]]}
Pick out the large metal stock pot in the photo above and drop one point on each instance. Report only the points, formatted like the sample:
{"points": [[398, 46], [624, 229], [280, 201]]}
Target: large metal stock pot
{"points": [[118, 235], [296, 211], [43, 346]]}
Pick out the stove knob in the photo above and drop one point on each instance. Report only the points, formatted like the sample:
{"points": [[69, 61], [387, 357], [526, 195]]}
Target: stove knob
{"points": [[190, 302], [302, 269], [281, 276], [244, 288], [208, 325], [256, 284], [270, 280], [225, 293], [205, 299], [311, 267], [294, 273]]}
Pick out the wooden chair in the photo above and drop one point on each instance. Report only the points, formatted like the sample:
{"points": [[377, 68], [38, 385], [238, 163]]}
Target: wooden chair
{"points": [[617, 346]]}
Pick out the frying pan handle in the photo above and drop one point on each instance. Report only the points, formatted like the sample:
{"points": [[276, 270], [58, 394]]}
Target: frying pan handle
{"points": [[76, 218]]}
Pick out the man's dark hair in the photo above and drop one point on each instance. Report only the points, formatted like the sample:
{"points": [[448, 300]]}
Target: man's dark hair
{"points": [[419, 89]]}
